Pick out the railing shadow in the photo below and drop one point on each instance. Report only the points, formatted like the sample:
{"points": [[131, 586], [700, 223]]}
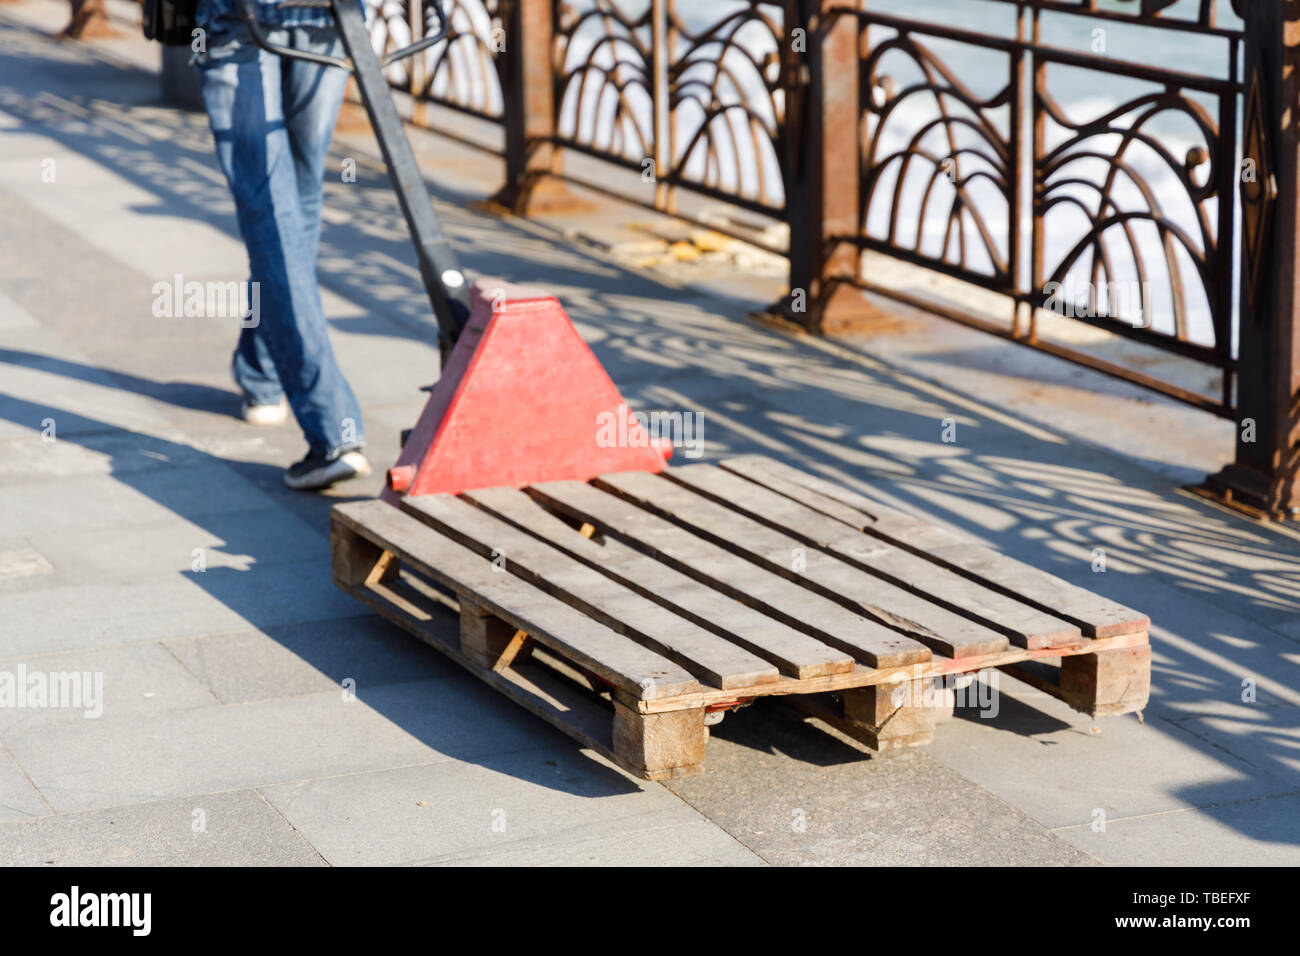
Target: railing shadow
{"points": [[1225, 594]]}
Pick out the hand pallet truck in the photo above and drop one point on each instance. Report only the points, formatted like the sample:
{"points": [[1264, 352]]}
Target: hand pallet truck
{"points": [[631, 610], [520, 392]]}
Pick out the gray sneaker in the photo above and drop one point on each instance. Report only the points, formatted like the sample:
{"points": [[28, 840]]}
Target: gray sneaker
{"points": [[316, 471]]}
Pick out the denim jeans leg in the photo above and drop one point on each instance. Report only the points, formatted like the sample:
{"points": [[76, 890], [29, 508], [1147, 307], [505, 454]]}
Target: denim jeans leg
{"points": [[254, 369], [312, 95], [242, 94]]}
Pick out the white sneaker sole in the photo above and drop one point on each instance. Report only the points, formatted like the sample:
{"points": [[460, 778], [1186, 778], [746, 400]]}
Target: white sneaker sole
{"points": [[349, 465], [263, 415]]}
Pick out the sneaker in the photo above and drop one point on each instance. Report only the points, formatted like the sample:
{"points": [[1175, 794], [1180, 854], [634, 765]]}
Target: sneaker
{"points": [[316, 471], [265, 414]]}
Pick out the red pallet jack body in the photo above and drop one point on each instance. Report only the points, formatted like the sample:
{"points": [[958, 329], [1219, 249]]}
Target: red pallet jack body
{"points": [[522, 400]]}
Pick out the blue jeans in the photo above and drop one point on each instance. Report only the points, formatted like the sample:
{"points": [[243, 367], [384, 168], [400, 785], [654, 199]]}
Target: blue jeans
{"points": [[272, 120]]}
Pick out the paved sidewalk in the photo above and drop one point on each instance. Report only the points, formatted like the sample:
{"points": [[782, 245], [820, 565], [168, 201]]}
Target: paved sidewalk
{"points": [[151, 540]]}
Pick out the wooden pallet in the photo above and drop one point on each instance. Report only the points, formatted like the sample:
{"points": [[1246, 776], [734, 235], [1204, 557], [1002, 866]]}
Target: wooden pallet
{"points": [[628, 610]]}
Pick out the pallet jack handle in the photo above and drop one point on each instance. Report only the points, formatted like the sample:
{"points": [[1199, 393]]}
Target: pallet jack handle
{"points": [[440, 269]]}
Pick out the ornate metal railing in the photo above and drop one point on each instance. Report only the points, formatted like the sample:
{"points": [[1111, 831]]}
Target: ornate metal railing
{"points": [[1116, 206], [1013, 144], [1127, 166], [462, 71], [691, 94]]}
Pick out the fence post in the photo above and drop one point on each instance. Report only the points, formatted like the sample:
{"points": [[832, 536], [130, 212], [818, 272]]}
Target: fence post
{"points": [[661, 121], [1263, 476], [822, 191], [528, 112]]}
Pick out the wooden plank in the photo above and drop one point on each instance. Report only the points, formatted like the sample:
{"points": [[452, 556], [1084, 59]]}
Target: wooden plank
{"points": [[629, 667], [703, 653], [1026, 626], [794, 652], [938, 666], [1095, 615], [865, 639], [937, 627]]}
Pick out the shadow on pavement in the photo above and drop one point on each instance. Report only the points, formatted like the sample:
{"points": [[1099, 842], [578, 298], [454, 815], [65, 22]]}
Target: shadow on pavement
{"points": [[1224, 594]]}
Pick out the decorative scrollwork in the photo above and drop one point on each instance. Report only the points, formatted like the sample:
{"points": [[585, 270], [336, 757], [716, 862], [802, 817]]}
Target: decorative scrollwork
{"points": [[1129, 204], [937, 169], [389, 22], [606, 98], [460, 71], [727, 99], [1258, 191]]}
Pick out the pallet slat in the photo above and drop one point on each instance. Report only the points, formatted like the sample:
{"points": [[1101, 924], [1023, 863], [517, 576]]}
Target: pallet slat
{"points": [[935, 626], [796, 606], [795, 653], [1095, 615], [703, 653], [571, 626], [639, 672], [1026, 626]]}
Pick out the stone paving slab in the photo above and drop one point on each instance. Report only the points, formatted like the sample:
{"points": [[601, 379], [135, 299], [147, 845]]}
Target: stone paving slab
{"points": [[236, 542], [1249, 833], [1265, 739], [309, 657], [137, 680], [118, 760], [190, 494], [220, 600], [68, 402], [797, 793], [1040, 755], [533, 801], [651, 843], [18, 798], [215, 829], [28, 459]]}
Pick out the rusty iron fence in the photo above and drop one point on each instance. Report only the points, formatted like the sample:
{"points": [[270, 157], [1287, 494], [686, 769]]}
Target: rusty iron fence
{"points": [[461, 72], [691, 96], [1118, 209], [1039, 150], [1119, 212]]}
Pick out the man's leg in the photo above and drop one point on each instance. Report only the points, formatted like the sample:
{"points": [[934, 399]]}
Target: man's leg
{"points": [[254, 369], [242, 93], [312, 96]]}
